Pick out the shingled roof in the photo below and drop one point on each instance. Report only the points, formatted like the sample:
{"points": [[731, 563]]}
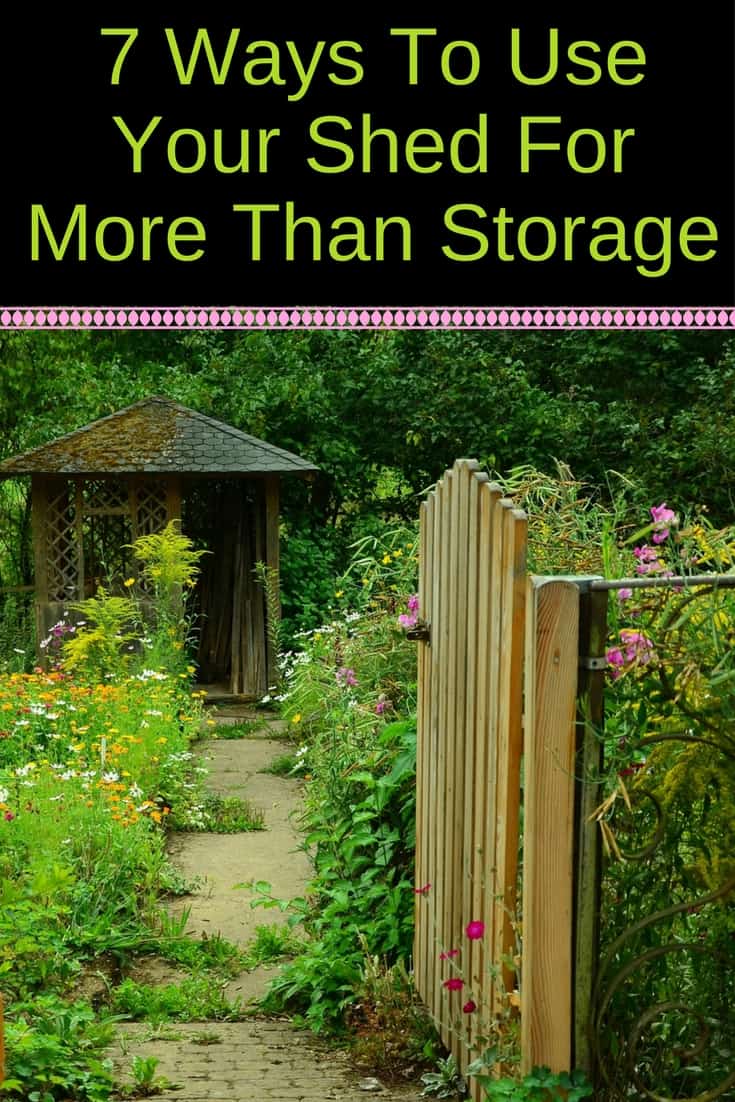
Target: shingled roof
{"points": [[158, 436]]}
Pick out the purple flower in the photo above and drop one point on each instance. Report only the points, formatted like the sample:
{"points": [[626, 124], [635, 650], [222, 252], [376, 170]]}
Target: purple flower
{"points": [[346, 676], [625, 593], [413, 603]]}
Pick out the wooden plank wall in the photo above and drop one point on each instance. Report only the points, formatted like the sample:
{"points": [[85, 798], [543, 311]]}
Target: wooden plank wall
{"points": [[472, 592]]}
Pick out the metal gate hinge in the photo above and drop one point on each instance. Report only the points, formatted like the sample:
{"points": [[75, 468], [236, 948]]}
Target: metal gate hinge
{"points": [[587, 663], [420, 634]]}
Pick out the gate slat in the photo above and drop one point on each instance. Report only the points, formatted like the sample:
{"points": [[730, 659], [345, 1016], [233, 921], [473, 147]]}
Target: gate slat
{"points": [[510, 735]]}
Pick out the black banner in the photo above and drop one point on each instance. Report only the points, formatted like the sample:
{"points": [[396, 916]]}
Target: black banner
{"points": [[369, 158]]}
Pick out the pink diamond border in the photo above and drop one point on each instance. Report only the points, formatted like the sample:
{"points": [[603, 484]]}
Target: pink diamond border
{"points": [[367, 317]]}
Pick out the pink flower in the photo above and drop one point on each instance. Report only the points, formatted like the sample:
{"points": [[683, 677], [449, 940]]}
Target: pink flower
{"points": [[454, 983], [625, 593], [475, 930], [615, 660], [422, 891], [449, 954], [638, 647], [411, 618], [648, 560], [9, 816], [345, 676], [469, 1007], [662, 518], [380, 707]]}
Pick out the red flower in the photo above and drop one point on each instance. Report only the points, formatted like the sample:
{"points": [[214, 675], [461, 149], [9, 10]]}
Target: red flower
{"points": [[449, 954], [469, 1007], [422, 891], [453, 984], [475, 930]]}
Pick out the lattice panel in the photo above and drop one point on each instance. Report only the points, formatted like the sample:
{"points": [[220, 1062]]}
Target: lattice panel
{"points": [[151, 509], [104, 495], [61, 545], [106, 556]]}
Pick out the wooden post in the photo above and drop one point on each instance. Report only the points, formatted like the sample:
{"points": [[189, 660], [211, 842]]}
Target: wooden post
{"points": [[549, 745], [2, 1042], [39, 508], [273, 564], [592, 640], [173, 498]]}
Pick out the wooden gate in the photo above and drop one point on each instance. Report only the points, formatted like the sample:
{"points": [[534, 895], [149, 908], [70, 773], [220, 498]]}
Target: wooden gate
{"points": [[485, 623]]}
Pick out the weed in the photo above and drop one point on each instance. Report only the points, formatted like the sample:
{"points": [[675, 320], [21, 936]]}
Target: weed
{"points": [[271, 943], [223, 815], [145, 1081], [196, 999], [282, 766], [206, 1037], [245, 729], [446, 1082], [394, 1033], [207, 954]]}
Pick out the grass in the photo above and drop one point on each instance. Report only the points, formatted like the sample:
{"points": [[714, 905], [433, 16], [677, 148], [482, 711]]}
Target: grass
{"points": [[206, 954], [199, 998], [246, 729], [224, 815], [282, 766], [270, 944]]}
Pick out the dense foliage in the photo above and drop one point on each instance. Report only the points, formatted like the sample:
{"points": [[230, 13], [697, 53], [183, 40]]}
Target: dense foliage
{"points": [[382, 414], [95, 762]]}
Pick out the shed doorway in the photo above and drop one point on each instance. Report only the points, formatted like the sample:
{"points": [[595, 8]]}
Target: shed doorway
{"points": [[227, 517]]}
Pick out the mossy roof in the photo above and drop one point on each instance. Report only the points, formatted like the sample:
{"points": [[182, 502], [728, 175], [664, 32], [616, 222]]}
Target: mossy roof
{"points": [[157, 436]]}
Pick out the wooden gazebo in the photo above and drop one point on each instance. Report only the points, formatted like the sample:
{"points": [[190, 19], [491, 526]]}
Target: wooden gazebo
{"points": [[94, 491]]}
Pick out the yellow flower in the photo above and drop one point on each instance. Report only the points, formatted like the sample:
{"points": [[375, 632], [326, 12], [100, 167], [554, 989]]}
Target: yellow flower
{"points": [[339, 593], [386, 558], [397, 554], [297, 718], [128, 582], [191, 669]]}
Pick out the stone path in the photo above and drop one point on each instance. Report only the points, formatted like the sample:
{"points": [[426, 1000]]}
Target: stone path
{"points": [[259, 1059]]}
